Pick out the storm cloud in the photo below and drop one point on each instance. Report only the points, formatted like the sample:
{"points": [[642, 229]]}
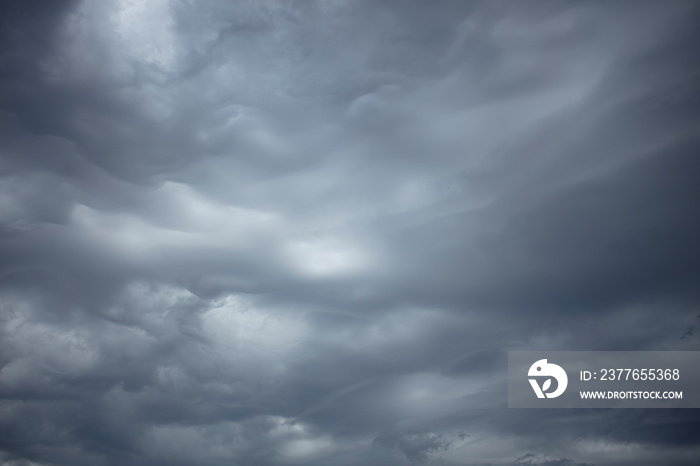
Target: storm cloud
{"points": [[297, 232]]}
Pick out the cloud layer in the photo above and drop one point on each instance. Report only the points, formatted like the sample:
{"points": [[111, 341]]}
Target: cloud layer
{"points": [[278, 233]]}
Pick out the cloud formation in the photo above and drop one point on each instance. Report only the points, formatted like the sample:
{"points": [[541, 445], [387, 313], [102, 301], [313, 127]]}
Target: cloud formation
{"points": [[277, 233]]}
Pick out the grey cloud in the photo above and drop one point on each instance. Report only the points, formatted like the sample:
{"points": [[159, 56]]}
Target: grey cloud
{"points": [[417, 446], [271, 233], [530, 458]]}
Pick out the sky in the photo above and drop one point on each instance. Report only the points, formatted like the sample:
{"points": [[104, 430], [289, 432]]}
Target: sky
{"points": [[309, 232]]}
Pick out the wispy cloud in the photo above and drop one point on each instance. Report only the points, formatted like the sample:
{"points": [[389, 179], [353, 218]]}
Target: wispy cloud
{"points": [[265, 232]]}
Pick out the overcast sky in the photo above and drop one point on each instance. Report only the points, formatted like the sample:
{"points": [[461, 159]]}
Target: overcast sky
{"points": [[308, 233]]}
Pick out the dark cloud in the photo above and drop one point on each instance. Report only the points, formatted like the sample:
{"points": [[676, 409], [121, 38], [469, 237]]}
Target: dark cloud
{"points": [[272, 233]]}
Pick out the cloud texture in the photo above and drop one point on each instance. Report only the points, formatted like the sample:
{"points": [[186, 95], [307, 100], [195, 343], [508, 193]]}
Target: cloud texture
{"points": [[295, 232]]}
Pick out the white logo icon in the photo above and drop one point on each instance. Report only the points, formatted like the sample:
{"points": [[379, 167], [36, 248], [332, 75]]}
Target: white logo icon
{"points": [[543, 369]]}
